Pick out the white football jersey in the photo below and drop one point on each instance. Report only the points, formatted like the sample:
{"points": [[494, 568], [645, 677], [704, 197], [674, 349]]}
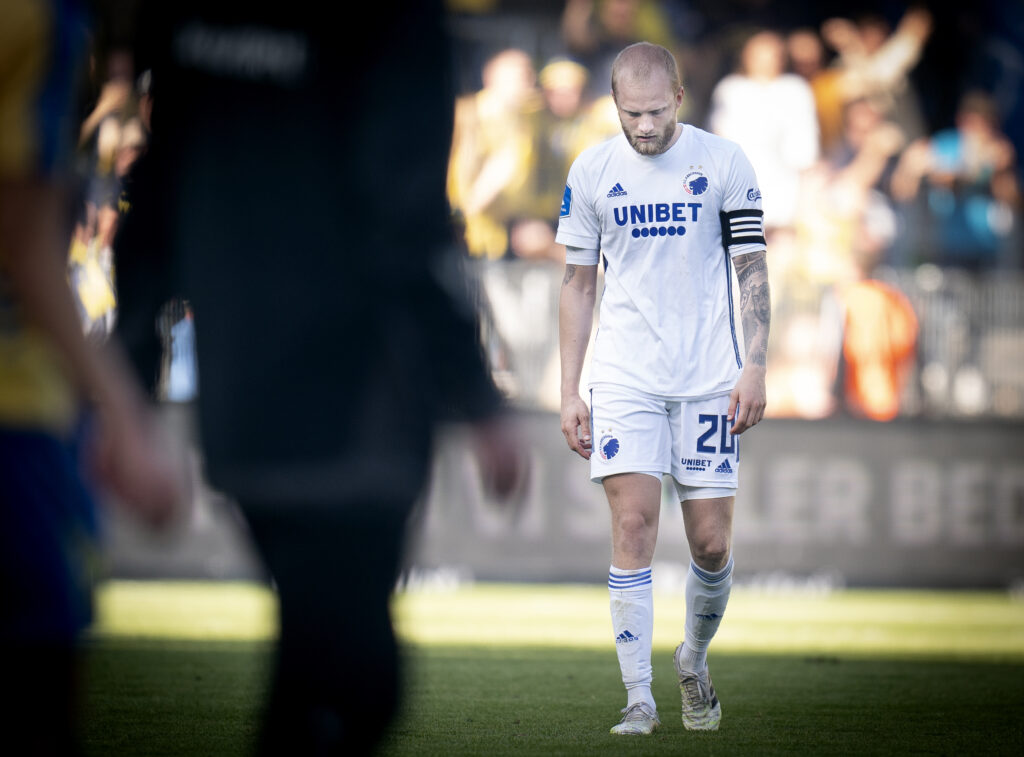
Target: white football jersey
{"points": [[666, 227]]}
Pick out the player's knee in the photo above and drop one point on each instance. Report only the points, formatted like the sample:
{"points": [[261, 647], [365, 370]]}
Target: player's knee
{"points": [[634, 524], [710, 554]]}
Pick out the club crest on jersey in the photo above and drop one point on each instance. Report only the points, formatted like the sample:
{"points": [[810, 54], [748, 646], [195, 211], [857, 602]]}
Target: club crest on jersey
{"points": [[609, 447], [695, 183]]}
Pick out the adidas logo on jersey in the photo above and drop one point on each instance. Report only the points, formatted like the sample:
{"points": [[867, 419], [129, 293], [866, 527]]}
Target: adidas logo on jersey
{"points": [[617, 191], [626, 637], [724, 467]]}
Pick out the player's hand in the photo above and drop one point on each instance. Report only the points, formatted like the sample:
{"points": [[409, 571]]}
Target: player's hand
{"points": [[501, 454], [747, 399], [142, 465], [576, 425]]}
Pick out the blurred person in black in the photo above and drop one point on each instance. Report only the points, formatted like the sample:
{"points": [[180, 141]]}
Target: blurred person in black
{"points": [[294, 192]]}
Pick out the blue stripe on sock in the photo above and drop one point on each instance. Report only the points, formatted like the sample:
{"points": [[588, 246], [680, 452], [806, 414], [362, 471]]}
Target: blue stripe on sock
{"points": [[630, 577], [628, 580], [631, 587], [712, 578], [628, 585]]}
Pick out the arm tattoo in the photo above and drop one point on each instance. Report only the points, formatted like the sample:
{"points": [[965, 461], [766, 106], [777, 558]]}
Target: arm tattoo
{"points": [[747, 265], [570, 271], [755, 305]]}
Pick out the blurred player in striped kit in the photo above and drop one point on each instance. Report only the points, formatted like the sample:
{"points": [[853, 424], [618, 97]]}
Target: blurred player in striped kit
{"points": [[51, 378]]}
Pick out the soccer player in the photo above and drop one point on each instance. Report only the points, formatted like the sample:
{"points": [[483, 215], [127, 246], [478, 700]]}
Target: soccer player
{"points": [[50, 375], [671, 210]]}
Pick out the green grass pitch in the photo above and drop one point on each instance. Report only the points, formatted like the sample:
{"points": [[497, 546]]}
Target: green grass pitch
{"points": [[180, 669]]}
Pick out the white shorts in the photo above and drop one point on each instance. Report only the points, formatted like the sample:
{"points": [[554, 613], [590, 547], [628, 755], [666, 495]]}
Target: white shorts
{"points": [[690, 440]]}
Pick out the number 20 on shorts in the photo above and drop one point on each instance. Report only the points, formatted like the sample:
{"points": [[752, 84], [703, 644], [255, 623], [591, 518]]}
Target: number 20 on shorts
{"points": [[717, 425]]}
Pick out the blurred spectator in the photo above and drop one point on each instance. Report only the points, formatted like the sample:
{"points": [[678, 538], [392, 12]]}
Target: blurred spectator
{"points": [[877, 324], [876, 62], [557, 128], [868, 147], [114, 99], [111, 138], [807, 57], [520, 299], [562, 129], [771, 114], [90, 260], [843, 208], [842, 221], [493, 152], [879, 343], [967, 179], [596, 30]]}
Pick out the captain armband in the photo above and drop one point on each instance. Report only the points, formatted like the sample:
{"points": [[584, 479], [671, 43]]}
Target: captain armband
{"points": [[742, 227]]}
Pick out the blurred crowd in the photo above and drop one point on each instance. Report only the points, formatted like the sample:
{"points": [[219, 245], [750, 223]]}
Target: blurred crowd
{"points": [[857, 176], [863, 175]]}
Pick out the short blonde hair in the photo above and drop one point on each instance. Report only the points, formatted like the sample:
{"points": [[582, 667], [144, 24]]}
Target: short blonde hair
{"points": [[640, 60]]}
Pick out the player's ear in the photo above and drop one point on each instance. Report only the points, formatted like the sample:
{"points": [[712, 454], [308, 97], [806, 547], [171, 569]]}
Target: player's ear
{"points": [[679, 96]]}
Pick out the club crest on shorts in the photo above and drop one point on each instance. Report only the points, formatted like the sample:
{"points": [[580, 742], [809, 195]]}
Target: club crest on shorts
{"points": [[609, 446], [695, 182]]}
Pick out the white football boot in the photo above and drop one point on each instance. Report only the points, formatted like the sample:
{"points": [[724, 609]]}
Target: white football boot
{"points": [[701, 708], [639, 719]]}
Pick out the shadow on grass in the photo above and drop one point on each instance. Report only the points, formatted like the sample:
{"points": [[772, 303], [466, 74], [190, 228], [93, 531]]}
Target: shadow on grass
{"points": [[172, 698], [181, 698]]}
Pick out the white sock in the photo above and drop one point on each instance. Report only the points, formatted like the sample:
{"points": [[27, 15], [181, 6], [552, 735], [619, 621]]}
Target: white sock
{"points": [[632, 608], [707, 594]]}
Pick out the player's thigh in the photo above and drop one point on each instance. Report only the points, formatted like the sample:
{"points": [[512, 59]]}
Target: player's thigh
{"points": [[631, 434]]}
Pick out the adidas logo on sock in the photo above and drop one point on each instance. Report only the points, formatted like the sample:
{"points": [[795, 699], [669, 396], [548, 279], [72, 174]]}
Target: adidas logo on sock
{"points": [[724, 467], [625, 637], [617, 191]]}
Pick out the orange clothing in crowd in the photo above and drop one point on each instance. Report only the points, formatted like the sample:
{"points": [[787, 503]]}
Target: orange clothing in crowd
{"points": [[879, 343]]}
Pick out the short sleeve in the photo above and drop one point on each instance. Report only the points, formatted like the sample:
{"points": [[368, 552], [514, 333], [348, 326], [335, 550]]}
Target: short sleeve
{"points": [[741, 215], [578, 256], [578, 224]]}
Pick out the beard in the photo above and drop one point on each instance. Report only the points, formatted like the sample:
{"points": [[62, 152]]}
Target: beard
{"points": [[654, 145]]}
